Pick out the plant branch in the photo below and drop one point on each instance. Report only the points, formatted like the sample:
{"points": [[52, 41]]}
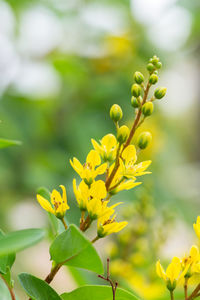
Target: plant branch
{"points": [[53, 272], [137, 119], [194, 293], [9, 288], [107, 278], [133, 129], [110, 178]]}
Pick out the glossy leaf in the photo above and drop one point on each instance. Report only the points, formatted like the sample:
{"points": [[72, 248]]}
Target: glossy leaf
{"points": [[20, 240], [6, 261], [37, 288], [97, 292], [4, 143], [74, 249]]}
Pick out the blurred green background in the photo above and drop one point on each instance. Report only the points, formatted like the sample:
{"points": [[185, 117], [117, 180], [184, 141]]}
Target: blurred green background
{"points": [[62, 65]]}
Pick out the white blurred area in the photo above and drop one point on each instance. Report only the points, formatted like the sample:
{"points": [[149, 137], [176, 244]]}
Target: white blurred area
{"points": [[41, 31]]}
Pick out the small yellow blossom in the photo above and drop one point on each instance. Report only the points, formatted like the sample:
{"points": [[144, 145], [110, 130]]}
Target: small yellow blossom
{"points": [[107, 225], [196, 227], [88, 171], [193, 260], [173, 272], [107, 147], [130, 169], [125, 177], [59, 203], [81, 193]]}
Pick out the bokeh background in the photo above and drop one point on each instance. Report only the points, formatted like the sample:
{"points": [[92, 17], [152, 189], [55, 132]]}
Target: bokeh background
{"points": [[62, 65]]}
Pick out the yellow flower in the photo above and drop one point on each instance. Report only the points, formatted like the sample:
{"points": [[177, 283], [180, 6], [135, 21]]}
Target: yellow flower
{"points": [[125, 177], [107, 147], [130, 169], [81, 193], [59, 203], [193, 261], [197, 227], [173, 272], [107, 225], [88, 172]]}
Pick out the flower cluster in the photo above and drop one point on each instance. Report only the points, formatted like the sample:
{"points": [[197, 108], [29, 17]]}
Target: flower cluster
{"points": [[112, 165], [182, 268]]}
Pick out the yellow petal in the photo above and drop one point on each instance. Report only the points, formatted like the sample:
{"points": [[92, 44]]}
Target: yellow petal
{"points": [[194, 252], [55, 197], [96, 146], [109, 141], [93, 158], [45, 204], [160, 271], [77, 166], [127, 185], [98, 189], [129, 154], [64, 195], [101, 169]]}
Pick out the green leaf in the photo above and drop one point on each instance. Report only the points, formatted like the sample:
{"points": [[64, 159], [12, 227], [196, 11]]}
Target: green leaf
{"points": [[19, 240], [6, 261], [5, 295], [7, 143], [97, 292], [37, 288], [72, 248]]}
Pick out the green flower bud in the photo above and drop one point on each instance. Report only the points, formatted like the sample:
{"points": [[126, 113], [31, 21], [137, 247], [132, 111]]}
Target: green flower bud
{"points": [[116, 113], [138, 77], [159, 65], [147, 109], [155, 60], [136, 102], [144, 139], [122, 134], [150, 67], [155, 72], [136, 90], [160, 92], [153, 79]]}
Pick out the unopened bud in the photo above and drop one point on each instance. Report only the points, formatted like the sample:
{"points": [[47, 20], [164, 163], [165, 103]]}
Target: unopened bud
{"points": [[136, 102], [136, 90], [160, 92], [159, 65], [150, 67], [138, 77], [155, 60], [144, 139], [122, 134], [116, 113], [147, 109], [153, 79]]}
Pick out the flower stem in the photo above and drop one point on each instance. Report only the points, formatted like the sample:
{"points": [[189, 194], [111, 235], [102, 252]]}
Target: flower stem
{"points": [[64, 223], [133, 129], [95, 239], [172, 295], [9, 288], [186, 287], [107, 278]]}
